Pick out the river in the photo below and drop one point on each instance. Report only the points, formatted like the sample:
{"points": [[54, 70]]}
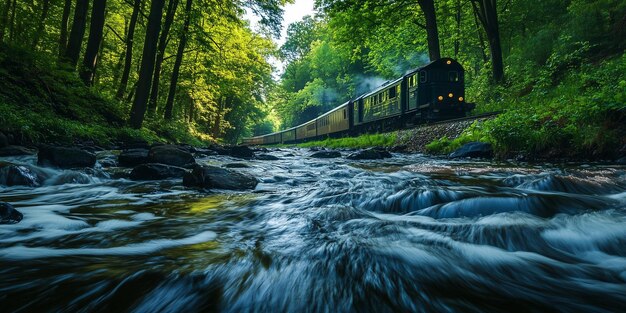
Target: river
{"points": [[406, 234]]}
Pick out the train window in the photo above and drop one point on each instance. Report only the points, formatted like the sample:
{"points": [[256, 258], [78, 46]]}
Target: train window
{"points": [[423, 77], [453, 76], [392, 93], [345, 114], [380, 97]]}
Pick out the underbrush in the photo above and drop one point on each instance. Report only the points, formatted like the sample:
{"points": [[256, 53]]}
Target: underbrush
{"points": [[41, 101]]}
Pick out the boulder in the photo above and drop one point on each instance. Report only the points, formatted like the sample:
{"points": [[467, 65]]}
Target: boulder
{"points": [[65, 157], [170, 155], [8, 214], [266, 157], [326, 154], [132, 157], [241, 152], [473, 150], [21, 175], [370, 154], [4, 141], [15, 150], [218, 178], [621, 161], [155, 171]]}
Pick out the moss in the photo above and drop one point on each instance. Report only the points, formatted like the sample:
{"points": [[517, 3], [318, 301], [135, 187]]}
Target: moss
{"points": [[41, 101]]}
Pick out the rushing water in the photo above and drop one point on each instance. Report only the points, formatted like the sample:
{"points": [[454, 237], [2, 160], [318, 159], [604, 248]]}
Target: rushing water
{"points": [[405, 234]]}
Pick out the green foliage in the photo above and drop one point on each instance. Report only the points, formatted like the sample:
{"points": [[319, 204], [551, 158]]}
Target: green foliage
{"points": [[40, 102], [363, 141]]}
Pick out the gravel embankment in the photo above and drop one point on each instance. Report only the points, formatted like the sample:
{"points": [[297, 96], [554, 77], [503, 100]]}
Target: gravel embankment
{"points": [[416, 139]]}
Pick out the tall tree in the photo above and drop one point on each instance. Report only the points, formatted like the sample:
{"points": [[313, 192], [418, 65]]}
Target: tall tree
{"points": [[164, 38], [142, 92], [77, 33], [432, 35], [128, 59], [4, 18], [65, 17], [45, 9], [169, 104], [96, 27], [488, 16]]}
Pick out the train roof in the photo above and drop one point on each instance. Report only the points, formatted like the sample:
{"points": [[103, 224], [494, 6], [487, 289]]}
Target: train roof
{"points": [[339, 107]]}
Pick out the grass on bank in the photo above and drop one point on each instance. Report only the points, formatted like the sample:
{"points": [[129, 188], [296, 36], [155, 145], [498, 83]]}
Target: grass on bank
{"points": [[41, 101], [363, 141]]}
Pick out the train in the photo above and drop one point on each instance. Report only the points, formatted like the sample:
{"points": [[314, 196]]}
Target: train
{"points": [[435, 91]]}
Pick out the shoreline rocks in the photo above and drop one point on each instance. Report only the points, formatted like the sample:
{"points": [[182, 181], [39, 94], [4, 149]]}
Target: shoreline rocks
{"points": [[211, 177], [8, 214], [473, 150], [63, 157]]}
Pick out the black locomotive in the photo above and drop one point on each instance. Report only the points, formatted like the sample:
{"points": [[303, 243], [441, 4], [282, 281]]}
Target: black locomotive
{"points": [[435, 91]]}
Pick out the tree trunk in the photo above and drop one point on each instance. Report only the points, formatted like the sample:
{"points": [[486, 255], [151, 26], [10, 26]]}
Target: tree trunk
{"points": [[154, 93], [169, 104], [147, 64], [67, 7], [488, 16], [42, 19], [4, 18], [12, 20], [432, 34], [129, 51], [77, 33], [96, 27]]}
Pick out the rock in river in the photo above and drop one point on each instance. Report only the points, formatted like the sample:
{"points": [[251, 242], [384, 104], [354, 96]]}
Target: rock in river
{"points": [[241, 152], [473, 150], [170, 155], [132, 157], [218, 178], [326, 154], [155, 171], [8, 214], [21, 175], [369, 154], [65, 157]]}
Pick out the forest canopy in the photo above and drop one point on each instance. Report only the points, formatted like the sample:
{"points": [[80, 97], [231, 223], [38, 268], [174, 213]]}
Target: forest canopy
{"points": [[177, 69]]}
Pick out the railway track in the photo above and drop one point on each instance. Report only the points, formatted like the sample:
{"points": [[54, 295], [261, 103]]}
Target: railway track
{"points": [[467, 118]]}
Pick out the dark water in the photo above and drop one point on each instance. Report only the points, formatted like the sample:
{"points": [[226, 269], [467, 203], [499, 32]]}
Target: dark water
{"points": [[408, 234]]}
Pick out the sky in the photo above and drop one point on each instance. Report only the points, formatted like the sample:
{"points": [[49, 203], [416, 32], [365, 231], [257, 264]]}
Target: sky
{"points": [[292, 13]]}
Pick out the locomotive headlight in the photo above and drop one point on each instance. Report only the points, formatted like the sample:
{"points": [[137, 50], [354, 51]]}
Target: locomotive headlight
{"points": [[448, 62], [460, 99], [440, 98], [450, 95]]}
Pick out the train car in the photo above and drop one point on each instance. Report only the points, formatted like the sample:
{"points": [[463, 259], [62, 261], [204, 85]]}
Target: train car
{"points": [[289, 135], [432, 92], [383, 103], [271, 139], [306, 131], [334, 121], [437, 90]]}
